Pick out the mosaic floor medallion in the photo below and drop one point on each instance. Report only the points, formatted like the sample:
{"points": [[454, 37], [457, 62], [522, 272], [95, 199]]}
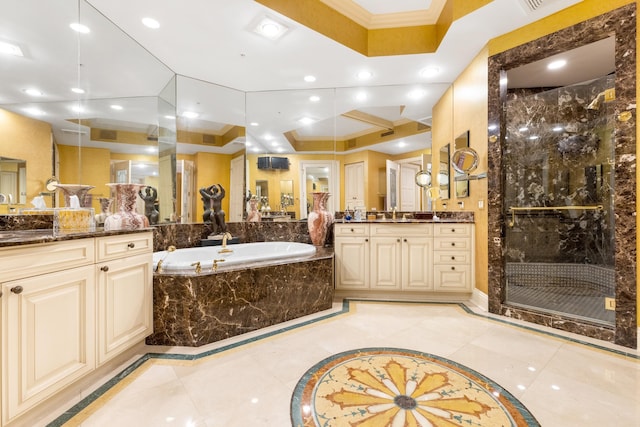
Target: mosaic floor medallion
{"points": [[380, 387]]}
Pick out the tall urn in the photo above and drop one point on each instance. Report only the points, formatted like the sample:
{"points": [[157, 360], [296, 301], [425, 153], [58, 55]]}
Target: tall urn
{"points": [[319, 219], [126, 217]]}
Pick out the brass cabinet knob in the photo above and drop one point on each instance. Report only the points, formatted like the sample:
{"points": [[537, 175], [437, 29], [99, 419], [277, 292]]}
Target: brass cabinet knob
{"points": [[453, 268], [405, 240], [366, 240], [105, 268], [131, 245], [453, 243], [17, 289], [453, 258]]}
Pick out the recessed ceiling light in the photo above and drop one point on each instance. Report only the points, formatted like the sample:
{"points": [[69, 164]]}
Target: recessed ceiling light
{"points": [[33, 92], [190, 115], [417, 93], [280, 149], [314, 98], [306, 120], [253, 124], [79, 28], [365, 75], [402, 144], [10, 49], [150, 23], [309, 79], [557, 64], [429, 72], [34, 111], [361, 96], [170, 117], [269, 28], [77, 108], [116, 107], [274, 144], [77, 90], [268, 137]]}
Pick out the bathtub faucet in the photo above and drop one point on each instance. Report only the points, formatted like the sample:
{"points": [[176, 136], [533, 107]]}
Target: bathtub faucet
{"points": [[226, 236], [159, 267]]}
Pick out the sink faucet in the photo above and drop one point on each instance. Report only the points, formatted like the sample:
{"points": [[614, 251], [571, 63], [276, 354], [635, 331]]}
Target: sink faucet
{"points": [[393, 215]]}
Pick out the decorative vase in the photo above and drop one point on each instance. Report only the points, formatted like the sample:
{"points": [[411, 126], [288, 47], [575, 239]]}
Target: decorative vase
{"points": [[80, 190], [126, 217], [319, 219]]}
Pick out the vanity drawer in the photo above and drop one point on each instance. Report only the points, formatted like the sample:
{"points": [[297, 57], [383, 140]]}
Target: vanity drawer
{"points": [[396, 230], [119, 246], [452, 244], [450, 257], [31, 260], [452, 229], [351, 230]]}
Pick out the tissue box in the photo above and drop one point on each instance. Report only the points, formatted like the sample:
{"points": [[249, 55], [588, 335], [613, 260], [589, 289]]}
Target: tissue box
{"points": [[70, 220]]}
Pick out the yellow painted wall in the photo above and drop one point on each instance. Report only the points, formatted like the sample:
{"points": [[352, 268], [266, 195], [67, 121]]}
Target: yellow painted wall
{"points": [[88, 166], [30, 140], [273, 177]]}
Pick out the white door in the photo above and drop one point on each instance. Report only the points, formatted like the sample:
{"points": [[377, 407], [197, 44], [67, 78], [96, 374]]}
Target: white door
{"points": [[354, 186], [237, 192], [393, 184], [330, 176], [409, 191]]}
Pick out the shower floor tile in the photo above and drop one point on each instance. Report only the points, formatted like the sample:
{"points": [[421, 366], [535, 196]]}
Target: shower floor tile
{"points": [[578, 301]]}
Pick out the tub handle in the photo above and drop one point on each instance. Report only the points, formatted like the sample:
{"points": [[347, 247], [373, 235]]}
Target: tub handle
{"points": [[197, 266], [214, 267]]}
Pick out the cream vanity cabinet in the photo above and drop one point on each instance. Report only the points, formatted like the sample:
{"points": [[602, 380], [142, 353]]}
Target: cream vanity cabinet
{"points": [[401, 257], [351, 249], [124, 292], [453, 257], [404, 257], [63, 314]]}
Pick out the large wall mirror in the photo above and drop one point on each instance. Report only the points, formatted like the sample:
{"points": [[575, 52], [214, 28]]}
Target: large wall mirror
{"points": [[136, 120]]}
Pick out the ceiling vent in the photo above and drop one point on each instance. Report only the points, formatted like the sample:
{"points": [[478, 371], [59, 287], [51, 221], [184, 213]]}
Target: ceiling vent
{"points": [[391, 132], [530, 6], [208, 139], [108, 134]]}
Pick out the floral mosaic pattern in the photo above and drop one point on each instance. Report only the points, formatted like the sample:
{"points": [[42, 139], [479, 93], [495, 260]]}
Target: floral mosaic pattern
{"points": [[401, 388]]}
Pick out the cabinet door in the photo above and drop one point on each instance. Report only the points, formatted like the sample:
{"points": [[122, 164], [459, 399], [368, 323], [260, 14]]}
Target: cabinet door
{"points": [[125, 298], [386, 253], [48, 335], [354, 185], [352, 262], [417, 264], [452, 278]]}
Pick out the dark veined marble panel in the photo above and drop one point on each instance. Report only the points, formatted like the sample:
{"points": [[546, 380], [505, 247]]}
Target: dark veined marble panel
{"points": [[194, 310]]}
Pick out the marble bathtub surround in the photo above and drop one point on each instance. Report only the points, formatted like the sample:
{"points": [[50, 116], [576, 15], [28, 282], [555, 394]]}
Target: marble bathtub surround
{"points": [[198, 309], [620, 22]]}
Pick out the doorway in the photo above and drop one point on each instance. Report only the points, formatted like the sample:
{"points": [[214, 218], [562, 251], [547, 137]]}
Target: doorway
{"points": [[316, 176]]}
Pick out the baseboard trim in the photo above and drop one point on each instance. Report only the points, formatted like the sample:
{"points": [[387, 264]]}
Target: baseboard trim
{"points": [[480, 299]]}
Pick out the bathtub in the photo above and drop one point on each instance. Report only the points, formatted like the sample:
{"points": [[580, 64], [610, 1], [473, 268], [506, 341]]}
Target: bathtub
{"points": [[182, 261]]}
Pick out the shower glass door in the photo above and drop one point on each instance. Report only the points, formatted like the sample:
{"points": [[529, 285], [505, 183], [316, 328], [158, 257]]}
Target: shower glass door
{"points": [[558, 165]]}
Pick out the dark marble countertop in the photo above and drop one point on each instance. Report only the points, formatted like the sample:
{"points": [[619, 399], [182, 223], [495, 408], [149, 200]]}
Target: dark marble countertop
{"points": [[29, 237], [408, 221]]}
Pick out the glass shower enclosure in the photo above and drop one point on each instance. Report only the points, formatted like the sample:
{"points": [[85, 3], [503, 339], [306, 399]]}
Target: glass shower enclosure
{"points": [[558, 176]]}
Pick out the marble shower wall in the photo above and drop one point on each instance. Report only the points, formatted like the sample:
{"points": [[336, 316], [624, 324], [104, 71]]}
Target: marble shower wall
{"points": [[621, 23], [558, 153]]}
